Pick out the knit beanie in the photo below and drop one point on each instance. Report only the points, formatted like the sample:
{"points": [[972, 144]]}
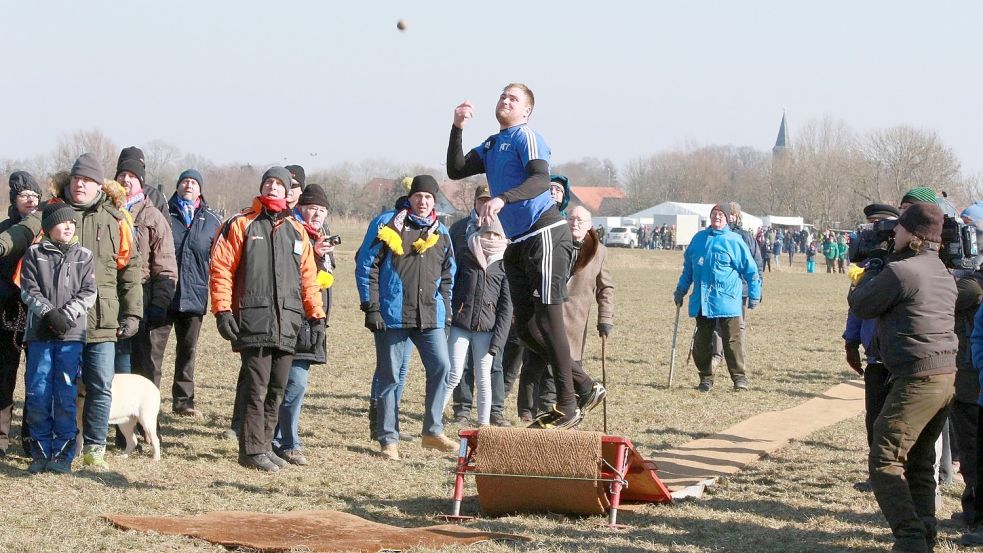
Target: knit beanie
{"points": [[919, 194], [21, 181], [314, 195], [924, 220], [424, 183], [723, 207], [297, 173], [54, 213], [88, 166], [131, 159], [974, 212], [278, 173], [192, 174]]}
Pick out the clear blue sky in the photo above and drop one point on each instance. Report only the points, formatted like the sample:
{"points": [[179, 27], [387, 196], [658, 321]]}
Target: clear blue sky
{"points": [[260, 81]]}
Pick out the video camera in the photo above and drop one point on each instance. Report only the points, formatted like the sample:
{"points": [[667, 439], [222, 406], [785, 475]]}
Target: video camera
{"points": [[873, 240], [959, 248]]}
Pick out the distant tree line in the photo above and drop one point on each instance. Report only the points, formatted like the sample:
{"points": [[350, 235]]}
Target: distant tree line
{"points": [[827, 175]]}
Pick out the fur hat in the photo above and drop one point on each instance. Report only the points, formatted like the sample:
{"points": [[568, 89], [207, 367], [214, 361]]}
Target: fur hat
{"points": [[924, 220], [424, 183], [88, 166], [192, 174], [314, 195], [54, 213], [131, 159], [278, 173], [297, 173], [21, 181]]}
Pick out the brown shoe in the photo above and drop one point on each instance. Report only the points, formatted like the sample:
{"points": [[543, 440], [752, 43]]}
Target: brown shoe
{"points": [[390, 451], [438, 442], [295, 457]]}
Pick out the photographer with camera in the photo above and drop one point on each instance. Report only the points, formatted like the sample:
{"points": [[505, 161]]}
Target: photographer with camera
{"points": [[913, 297], [859, 331]]}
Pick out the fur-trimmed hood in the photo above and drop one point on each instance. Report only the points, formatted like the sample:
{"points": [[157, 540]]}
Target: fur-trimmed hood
{"points": [[113, 190], [587, 251]]}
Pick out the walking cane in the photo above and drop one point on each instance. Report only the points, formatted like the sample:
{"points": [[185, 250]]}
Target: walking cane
{"points": [[672, 356], [604, 381]]}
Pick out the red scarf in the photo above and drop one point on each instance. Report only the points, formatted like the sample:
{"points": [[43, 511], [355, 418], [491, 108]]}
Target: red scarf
{"points": [[274, 205]]}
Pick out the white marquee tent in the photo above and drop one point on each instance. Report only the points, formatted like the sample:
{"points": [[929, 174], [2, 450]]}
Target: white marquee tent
{"points": [[702, 210]]}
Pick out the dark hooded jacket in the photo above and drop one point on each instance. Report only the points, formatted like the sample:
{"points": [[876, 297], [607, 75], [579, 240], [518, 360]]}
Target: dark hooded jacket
{"points": [[481, 300], [192, 249]]}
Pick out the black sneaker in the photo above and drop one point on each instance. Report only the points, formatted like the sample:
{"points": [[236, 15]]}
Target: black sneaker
{"points": [[276, 459], [741, 384], [37, 466], [554, 419], [705, 385], [592, 399], [499, 420], [259, 462]]}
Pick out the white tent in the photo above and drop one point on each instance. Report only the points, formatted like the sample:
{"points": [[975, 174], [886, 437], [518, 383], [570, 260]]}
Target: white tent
{"points": [[772, 220], [702, 210]]}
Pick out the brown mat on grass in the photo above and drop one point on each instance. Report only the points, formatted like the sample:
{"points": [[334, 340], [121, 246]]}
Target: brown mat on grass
{"points": [[514, 451], [700, 462], [317, 531]]}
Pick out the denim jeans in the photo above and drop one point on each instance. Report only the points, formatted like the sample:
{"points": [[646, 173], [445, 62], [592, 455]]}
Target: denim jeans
{"points": [[463, 392], [49, 380], [123, 364], [467, 345], [390, 350], [404, 369], [287, 434], [97, 375]]}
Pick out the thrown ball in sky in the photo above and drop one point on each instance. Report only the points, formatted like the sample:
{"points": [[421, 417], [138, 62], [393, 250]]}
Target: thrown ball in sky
{"points": [[401, 25]]}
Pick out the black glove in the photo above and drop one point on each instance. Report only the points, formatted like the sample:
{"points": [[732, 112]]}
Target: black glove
{"points": [[128, 327], [317, 332], [155, 315], [853, 358], [604, 329], [374, 322], [227, 326], [58, 321], [678, 296]]}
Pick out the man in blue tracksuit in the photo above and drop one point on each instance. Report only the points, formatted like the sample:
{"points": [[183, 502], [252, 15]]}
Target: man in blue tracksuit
{"points": [[537, 261], [715, 263]]}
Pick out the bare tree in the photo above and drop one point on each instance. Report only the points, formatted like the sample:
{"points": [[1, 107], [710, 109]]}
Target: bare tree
{"points": [[71, 146], [161, 160]]}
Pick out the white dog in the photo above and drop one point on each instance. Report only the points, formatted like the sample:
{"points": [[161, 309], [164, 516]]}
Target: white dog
{"points": [[135, 400]]}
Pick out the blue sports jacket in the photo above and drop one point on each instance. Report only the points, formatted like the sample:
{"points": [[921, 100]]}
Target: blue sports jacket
{"points": [[714, 263]]}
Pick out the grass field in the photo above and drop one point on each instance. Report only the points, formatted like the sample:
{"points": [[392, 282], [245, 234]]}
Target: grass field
{"points": [[799, 499]]}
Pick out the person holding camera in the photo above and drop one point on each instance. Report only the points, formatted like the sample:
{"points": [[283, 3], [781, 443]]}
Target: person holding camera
{"points": [[913, 298]]}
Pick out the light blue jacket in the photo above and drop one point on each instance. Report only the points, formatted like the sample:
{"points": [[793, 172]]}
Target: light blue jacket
{"points": [[714, 263]]}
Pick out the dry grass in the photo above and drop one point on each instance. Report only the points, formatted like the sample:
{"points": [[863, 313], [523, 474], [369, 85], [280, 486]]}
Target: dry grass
{"points": [[799, 499]]}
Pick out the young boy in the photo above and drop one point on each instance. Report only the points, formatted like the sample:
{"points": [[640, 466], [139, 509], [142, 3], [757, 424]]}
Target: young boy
{"points": [[58, 286]]}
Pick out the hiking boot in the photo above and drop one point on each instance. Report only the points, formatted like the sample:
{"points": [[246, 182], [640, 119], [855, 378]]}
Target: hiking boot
{"points": [[592, 399], [188, 412], [706, 384], [230, 435], [863, 486], [275, 459], [37, 465], [439, 442], [373, 414], [258, 461], [295, 457], [95, 456], [500, 420], [741, 384], [60, 465], [555, 419], [390, 451]]}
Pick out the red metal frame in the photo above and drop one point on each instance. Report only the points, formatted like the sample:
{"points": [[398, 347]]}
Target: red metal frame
{"points": [[623, 465]]}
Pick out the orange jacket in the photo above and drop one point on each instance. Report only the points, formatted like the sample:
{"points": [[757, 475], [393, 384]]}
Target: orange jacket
{"points": [[263, 270]]}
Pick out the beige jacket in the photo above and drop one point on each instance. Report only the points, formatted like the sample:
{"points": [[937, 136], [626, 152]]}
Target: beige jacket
{"points": [[589, 281]]}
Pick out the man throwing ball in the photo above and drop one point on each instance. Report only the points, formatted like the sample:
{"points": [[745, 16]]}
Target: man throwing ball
{"points": [[537, 261]]}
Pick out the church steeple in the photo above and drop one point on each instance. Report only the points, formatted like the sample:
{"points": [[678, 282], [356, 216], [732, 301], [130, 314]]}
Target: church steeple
{"points": [[782, 143]]}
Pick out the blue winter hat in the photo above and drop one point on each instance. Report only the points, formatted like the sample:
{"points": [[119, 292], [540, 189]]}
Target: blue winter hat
{"points": [[191, 174], [974, 211]]}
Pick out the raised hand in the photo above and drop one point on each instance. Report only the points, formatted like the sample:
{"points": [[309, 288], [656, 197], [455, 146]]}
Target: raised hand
{"points": [[462, 113]]}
